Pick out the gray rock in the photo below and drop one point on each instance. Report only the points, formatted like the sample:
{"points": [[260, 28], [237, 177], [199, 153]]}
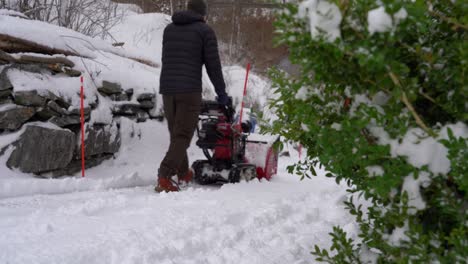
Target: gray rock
{"points": [[71, 72], [6, 100], [129, 92], [34, 68], [63, 103], [77, 111], [45, 113], [56, 108], [126, 109], [119, 97], [50, 96], [5, 83], [100, 140], [142, 116], [52, 110], [147, 104], [110, 88], [29, 98], [64, 121], [5, 93], [42, 150], [57, 99], [12, 118], [146, 97]]}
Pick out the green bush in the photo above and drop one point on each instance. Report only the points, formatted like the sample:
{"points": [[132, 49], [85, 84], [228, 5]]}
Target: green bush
{"points": [[385, 110]]}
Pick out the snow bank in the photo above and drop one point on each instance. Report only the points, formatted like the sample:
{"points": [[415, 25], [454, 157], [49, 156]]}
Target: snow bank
{"points": [[8, 12], [135, 165], [142, 33], [60, 39], [258, 88]]}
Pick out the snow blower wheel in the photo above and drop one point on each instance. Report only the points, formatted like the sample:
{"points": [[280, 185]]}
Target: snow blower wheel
{"points": [[243, 172]]}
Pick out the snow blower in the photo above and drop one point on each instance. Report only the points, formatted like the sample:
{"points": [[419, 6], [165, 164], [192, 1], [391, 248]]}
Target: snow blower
{"points": [[232, 152]]}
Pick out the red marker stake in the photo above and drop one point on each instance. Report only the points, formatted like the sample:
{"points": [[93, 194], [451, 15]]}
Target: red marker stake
{"points": [[245, 93], [82, 129]]}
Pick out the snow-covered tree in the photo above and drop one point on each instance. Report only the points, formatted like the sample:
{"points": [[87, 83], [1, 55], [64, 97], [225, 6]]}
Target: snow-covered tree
{"points": [[381, 103]]}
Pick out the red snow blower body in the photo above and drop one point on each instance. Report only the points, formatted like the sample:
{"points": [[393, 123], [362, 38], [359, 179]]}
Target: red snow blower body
{"points": [[224, 141]]}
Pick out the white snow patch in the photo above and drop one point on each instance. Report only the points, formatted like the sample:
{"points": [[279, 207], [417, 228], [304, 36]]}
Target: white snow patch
{"points": [[401, 15], [63, 86], [336, 126], [303, 93], [399, 235], [412, 187], [420, 149], [103, 113], [142, 33], [324, 18], [379, 21], [375, 171], [7, 107], [8, 12]]}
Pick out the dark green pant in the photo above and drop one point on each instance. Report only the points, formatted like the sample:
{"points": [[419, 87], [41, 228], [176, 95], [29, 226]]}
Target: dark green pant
{"points": [[181, 111]]}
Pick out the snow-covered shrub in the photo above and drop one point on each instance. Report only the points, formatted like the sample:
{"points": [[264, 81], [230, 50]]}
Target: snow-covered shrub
{"points": [[381, 103]]}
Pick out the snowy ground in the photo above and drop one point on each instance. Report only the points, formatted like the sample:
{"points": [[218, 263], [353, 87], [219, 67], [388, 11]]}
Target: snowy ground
{"points": [[113, 215]]}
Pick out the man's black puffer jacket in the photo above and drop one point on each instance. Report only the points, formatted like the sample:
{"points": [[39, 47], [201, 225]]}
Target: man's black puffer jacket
{"points": [[188, 43]]}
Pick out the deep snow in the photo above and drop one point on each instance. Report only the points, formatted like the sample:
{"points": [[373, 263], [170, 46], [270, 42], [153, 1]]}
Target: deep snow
{"points": [[112, 221]]}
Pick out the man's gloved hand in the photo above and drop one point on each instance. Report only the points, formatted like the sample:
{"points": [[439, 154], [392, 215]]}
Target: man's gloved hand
{"points": [[223, 99]]}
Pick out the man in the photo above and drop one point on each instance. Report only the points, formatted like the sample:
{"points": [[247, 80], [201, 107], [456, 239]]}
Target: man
{"points": [[188, 44]]}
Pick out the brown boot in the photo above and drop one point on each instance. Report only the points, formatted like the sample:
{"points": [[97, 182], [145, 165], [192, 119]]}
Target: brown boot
{"points": [[166, 185], [187, 178]]}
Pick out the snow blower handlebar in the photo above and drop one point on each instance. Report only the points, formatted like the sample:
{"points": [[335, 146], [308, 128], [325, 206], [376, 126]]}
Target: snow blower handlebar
{"points": [[213, 108]]}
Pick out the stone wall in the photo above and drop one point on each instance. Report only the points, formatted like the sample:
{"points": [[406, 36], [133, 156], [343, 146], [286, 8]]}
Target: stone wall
{"points": [[46, 129]]}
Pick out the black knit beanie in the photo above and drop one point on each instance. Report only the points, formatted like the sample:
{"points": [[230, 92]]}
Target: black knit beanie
{"points": [[198, 6]]}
